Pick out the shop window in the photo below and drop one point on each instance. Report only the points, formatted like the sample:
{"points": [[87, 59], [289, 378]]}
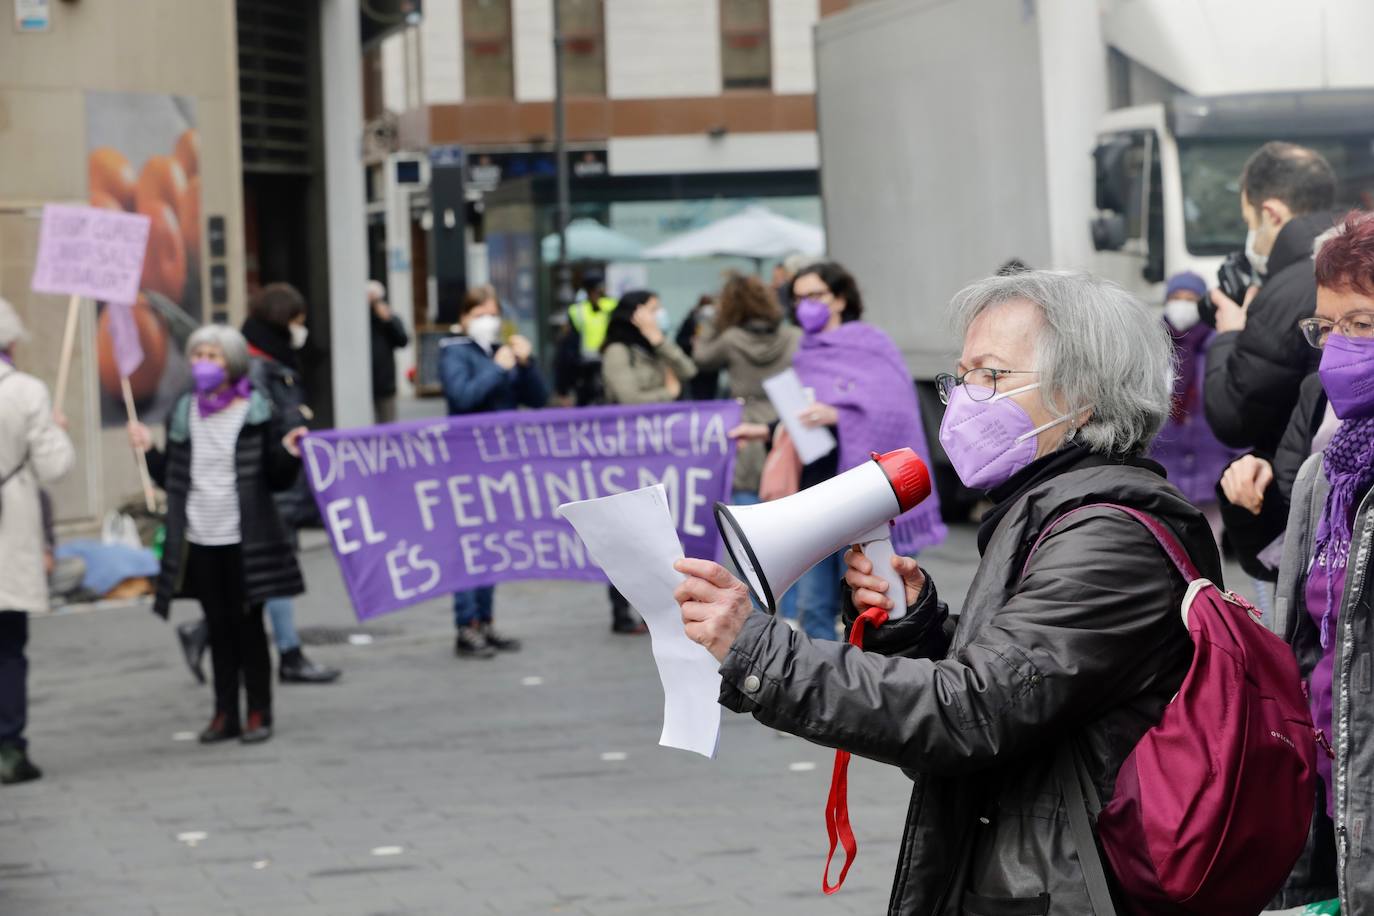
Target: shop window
{"points": [[584, 47], [487, 64], [745, 56]]}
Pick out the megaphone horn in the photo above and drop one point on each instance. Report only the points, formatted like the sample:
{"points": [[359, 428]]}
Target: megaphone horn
{"points": [[774, 544]]}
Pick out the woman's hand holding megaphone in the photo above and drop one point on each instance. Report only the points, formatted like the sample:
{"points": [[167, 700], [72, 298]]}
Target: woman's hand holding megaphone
{"points": [[714, 605], [870, 590]]}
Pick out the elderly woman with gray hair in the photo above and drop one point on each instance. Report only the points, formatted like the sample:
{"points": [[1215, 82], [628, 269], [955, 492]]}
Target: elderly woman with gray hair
{"points": [[1069, 654], [227, 451]]}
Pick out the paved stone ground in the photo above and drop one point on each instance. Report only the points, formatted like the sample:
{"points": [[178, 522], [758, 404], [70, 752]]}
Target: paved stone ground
{"points": [[528, 784]]}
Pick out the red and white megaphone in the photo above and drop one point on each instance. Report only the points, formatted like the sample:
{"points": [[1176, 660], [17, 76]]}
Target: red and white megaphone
{"points": [[775, 543]]}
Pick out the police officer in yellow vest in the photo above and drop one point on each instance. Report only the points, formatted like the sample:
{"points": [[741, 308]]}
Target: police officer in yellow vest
{"points": [[578, 364], [590, 318]]}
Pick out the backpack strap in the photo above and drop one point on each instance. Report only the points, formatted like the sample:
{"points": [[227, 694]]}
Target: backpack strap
{"points": [[1167, 541], [1065, 757], [1080, 825]]}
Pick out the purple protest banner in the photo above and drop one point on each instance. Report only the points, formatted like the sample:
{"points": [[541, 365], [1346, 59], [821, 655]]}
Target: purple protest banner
{"points": [[421, 509], [90, 252]]}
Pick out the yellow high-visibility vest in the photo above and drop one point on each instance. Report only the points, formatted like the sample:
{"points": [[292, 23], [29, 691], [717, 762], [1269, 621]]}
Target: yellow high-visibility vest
{"points": [[591, 322]]}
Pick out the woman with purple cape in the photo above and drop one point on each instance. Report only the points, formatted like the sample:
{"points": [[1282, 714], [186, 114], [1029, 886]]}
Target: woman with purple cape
{"points": [[865, 395]]}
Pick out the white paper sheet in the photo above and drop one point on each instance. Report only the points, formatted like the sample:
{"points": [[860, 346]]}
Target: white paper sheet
{"points": [[632, 538], [789, 400]]}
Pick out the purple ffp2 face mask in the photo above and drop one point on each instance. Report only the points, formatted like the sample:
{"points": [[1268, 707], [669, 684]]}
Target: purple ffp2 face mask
{"points": [[1347, 374], [988, 441]]}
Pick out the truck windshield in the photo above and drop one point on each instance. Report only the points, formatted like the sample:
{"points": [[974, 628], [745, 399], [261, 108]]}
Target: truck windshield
{"points": [[1211, 184]]}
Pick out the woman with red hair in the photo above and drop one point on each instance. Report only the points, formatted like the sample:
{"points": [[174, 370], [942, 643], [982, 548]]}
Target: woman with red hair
{"points": [[1323, 606]]}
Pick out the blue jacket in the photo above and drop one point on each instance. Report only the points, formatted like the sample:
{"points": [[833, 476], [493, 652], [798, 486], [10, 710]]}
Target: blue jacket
{"points": [[473, 383]]}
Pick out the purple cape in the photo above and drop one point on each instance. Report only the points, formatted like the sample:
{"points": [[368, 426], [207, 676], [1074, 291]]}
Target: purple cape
{"points": [[859, 371]]}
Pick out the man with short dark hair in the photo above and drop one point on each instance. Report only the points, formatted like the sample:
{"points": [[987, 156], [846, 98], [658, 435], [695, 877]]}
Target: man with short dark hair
{"points": [[1259, 357]]}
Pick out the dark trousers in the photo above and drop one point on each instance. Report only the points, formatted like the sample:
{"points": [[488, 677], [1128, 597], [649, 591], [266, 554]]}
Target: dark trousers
{"points": [[473, 606], [14, 677], [238, 641], [620, 607]]}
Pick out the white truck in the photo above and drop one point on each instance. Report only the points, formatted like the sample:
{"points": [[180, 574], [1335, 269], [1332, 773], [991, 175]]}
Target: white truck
{"points": [[1100, 134]]}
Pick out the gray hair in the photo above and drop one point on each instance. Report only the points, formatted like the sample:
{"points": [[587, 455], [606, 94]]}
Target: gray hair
{"points": [[1100, 348], [375, 291], [11, 326], [230, 343]]}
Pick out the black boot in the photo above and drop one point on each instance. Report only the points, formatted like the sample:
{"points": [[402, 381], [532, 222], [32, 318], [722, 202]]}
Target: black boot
{"points": [[623, 618], [470, 644], [194, 637], [15, 766], [258, 729], [297, 669], [496, 640], [221, 728]]}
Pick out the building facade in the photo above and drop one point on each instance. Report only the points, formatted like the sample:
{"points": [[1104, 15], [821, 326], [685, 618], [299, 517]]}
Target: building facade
{"points": [[655, 90]]}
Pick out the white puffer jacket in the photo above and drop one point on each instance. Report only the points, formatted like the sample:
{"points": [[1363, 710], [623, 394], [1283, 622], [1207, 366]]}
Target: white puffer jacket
{"points": [[31, 441]]}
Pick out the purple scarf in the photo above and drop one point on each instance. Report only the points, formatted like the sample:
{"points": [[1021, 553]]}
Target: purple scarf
{"points": [[859, 371], [1349, 465], [216, 401]]}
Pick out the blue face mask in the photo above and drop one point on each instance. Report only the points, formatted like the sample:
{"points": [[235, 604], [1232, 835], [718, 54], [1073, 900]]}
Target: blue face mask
{"points": [[663, 323]]}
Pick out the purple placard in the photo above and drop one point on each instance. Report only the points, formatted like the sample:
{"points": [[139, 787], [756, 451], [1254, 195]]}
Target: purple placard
{"points": [[128, 350], [420, 509], [91, 252]]}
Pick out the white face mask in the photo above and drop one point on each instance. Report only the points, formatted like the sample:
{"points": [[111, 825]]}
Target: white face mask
{"points": [[485, 330], [299, 333], [1181, 313], [1259, 263], [664, 324]]}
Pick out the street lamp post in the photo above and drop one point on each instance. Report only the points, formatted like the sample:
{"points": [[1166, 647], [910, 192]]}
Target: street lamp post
{"points": [[563, 292]]}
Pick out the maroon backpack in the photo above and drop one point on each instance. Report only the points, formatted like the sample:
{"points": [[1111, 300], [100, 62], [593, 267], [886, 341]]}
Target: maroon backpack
{"points": [[1212, 807]]}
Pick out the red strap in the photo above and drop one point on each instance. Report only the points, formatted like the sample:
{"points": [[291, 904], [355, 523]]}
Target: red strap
{"points": [[837, 805]]}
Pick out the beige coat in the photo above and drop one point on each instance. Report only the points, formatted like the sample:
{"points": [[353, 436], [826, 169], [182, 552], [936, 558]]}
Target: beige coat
{"points": [[632, 376], [751, 354], [31, 441]]}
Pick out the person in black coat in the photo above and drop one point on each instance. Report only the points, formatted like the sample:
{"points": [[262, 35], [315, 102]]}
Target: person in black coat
{"points": [[276, 334], [388, 336], [228, 450], [1259, 358], [1254, 492]]}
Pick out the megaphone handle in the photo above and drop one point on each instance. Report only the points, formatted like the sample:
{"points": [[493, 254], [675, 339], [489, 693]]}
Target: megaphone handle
{"points": [[879, 551]]}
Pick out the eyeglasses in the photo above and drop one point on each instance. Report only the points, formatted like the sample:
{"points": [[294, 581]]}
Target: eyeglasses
{"points": [[983, 382], [1355, 324]]}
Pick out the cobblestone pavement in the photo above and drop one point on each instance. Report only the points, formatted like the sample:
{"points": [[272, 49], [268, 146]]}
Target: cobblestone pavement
{"points": [[420, 783]]}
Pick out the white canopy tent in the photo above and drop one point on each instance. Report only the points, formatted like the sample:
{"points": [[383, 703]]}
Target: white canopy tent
{"points": [[755, 232], [588, 240]]}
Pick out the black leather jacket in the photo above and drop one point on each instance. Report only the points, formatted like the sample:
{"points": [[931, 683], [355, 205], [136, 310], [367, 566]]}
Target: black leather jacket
{"points": [[1088, 647], [1253, 375]]}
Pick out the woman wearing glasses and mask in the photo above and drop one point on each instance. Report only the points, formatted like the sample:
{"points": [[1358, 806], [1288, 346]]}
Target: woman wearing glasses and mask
{"points": [[1321, 479], [1063, 382], [865, 396]]}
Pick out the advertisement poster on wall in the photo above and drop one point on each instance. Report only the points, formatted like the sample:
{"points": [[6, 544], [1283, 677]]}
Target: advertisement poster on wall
{"points": [[143, 156]]}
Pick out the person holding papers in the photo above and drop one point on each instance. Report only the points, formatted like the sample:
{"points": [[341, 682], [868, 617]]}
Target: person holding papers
{"points": [[482, 374], [865, 395], [640, 364]]}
